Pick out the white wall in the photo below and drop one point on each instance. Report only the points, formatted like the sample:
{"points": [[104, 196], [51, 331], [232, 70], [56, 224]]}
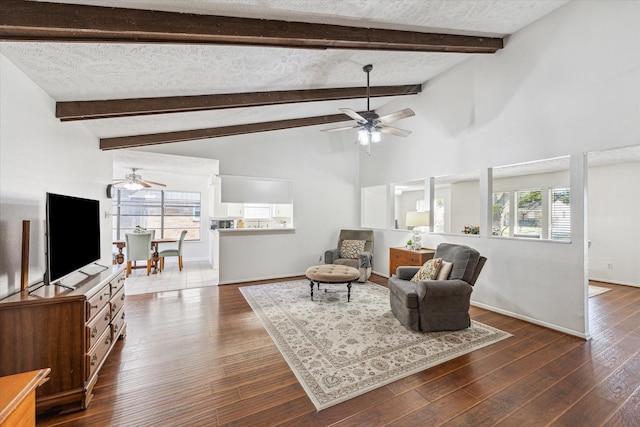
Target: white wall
{"points": [[39, 154], [406, 202], [565, 85], [326, 197], [614, 223]]}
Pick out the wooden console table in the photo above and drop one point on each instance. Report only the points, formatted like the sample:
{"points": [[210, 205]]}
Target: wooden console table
{"points": [[18, 397], [405, 256]]}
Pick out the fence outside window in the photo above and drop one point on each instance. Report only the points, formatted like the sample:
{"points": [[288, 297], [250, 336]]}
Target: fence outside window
{"points": [[166, 212]]}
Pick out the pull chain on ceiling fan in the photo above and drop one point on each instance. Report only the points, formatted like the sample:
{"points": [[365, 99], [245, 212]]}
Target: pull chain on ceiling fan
{"points": [[370, 125], [134, 181]]}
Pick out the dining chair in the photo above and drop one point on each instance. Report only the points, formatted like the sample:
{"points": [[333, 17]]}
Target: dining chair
{"points": [[173, 252], [138, 249]]}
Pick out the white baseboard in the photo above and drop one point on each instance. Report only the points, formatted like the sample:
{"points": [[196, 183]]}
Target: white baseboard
{"points": [[532, 320]]}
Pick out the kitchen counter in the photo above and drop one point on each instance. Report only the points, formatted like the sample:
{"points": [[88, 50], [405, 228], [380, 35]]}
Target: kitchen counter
{"points": [[254, 230]]}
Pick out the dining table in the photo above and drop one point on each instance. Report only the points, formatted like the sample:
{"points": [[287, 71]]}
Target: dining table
{"points": [[155, 243]]}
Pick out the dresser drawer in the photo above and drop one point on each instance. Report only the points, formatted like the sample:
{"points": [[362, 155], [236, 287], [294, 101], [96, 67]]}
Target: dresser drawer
{"points": [[97, 325], [407, 257], [117, 284], [98, 352], [98, 301], [117, 325], [117, 302]]}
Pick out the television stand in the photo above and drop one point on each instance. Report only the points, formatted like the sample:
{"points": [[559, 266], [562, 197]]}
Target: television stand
{"points": [[71, 331]]}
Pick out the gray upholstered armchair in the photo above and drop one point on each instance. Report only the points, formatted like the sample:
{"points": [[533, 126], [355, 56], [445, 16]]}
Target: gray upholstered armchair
{"points": [[437, 305], [360, 257]]}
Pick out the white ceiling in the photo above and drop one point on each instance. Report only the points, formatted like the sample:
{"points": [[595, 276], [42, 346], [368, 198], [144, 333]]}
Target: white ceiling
{"points": [[87, 71], [91, 71]]}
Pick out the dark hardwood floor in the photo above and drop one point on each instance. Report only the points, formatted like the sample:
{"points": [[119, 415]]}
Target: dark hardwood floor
{"points": [[200, 357]]}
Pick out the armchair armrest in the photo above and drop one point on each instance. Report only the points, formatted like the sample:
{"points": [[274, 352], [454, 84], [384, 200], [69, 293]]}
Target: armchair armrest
{"points": [[406, 272], [331, 255], [442, 288]]}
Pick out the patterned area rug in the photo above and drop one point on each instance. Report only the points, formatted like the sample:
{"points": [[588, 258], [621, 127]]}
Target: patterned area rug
{"points": [[340, 350]]}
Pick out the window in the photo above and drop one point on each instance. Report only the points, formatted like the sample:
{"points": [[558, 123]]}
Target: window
{"points": [[501, 211], [438, 215], [560, 214], [529, 213], [257, 211], [166, 212]]}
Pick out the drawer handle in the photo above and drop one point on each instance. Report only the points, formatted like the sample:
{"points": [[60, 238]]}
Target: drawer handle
{"points": [[94, 359], [95, 306], [94, 332], [107, 294], [115, 328], [114, 306], [122, 317], [107, 340], [122, 297], [107, 316]]}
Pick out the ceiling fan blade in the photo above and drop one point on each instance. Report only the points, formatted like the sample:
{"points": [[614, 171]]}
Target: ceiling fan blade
{"points": [[407, 112], [118, 181], [394, 131], [341, 128], [144, 184], [355, 116], [152, 183]]}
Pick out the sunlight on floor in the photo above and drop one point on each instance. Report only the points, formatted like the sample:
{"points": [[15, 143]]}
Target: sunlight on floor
{"points": [[195, 274]]}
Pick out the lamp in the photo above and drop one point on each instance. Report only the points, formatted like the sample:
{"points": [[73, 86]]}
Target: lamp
{"points": [[415, 221]]}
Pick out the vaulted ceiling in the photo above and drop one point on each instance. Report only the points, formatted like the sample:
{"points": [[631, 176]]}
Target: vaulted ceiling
{"points": [[144, 72]]}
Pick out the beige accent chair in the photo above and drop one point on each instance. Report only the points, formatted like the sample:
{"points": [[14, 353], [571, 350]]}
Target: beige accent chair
{"points": [[138, 249], [364, 262]]}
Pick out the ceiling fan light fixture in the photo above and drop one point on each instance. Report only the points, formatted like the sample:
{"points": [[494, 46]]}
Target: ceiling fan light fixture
{"points": [[133, 186], [370, 125], [368, 134]]}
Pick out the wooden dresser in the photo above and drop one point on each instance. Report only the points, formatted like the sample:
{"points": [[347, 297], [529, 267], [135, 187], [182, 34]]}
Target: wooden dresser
{"points": [[405, 256], [71, 331]]}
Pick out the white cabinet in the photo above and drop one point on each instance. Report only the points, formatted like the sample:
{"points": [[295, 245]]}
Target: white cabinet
{"points": [[282, 210], [217, 209], [235, 210]]}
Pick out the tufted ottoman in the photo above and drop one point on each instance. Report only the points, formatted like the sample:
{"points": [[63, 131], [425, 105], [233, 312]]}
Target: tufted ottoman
{"points": [[332, 273]]}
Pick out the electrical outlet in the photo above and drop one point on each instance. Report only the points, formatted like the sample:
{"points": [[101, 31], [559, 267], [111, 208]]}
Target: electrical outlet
{"points": [[610, 266]]}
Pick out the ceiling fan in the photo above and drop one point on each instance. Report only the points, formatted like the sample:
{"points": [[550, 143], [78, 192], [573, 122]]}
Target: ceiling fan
{"points": [[370, 125], [133, 181]]}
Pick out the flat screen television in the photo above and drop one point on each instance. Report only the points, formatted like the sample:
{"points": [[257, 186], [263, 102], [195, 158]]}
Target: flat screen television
{"points": [[73, 235]]}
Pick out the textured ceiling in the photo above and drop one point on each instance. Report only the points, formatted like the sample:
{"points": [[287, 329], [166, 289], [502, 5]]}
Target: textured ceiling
{"points": [[88, 71]]}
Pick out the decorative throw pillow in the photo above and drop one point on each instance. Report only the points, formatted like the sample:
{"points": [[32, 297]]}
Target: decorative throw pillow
{"points": [[445, 270], [351, 248], [428, 271]]}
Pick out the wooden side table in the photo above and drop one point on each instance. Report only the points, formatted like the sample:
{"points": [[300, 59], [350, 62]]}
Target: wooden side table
{"points": [[18, 397], [405, 256]]}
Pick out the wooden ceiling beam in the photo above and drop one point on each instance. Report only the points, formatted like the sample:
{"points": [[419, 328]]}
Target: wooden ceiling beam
{"points": [[22, 20], [86, 110], [192, 135]]}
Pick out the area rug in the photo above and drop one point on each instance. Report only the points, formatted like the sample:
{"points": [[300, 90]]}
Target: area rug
{"points": [[339, 350], [597, 290]]}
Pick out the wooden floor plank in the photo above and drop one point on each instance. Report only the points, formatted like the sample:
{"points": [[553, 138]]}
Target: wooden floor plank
{"points": [[200, 357]]}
